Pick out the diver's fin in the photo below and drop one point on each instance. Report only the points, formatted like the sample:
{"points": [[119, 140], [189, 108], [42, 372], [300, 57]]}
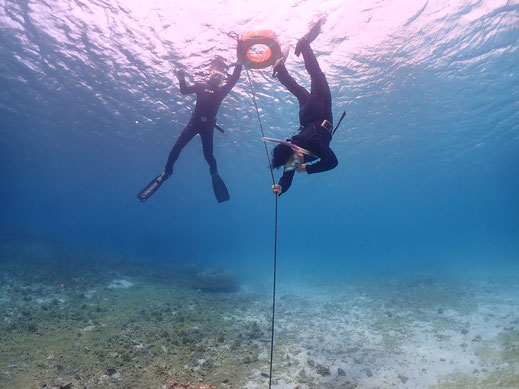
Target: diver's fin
{"points": [[220, 190], [152, 187], [312, 33]]}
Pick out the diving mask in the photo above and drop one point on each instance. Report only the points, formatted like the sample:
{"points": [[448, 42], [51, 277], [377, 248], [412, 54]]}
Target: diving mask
{"points": [[294, 163]]}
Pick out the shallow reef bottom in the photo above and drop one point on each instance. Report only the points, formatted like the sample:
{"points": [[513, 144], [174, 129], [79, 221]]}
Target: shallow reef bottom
{"points": [[110, 323]]}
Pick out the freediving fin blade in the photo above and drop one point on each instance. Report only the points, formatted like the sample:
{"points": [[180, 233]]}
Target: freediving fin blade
{"points": [[151, 188], [310, 36], [220, 190]]}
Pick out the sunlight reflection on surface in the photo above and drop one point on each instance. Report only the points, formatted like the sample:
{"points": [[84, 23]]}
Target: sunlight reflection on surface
{"points": [[386, 61]]}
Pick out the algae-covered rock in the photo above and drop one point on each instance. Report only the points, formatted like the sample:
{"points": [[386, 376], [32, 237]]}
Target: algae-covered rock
{"points": [[253, 331], [322, 370], [170, 384], [216, 280]]}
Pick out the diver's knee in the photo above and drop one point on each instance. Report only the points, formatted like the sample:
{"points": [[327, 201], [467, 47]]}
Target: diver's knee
{"points": [[209, 158]]}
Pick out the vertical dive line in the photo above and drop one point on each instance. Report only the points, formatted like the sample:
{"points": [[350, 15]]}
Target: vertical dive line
{"points": [[274, 291], [261, 126], [275, 234]]}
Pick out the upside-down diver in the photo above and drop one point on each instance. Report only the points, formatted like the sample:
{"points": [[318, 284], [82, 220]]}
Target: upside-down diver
{"points": [[312, 142]]}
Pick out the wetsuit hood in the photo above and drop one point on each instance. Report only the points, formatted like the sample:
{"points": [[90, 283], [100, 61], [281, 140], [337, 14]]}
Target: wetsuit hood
{"points": [[281, 154], [215, 79]]}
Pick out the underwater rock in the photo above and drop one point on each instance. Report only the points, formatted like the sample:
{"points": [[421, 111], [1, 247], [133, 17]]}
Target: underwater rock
{"points": [[170, 384], [358, 360], [301, 378], [322, 370], [250, 359], [32, 327], [217, 280], [110, 372], [253, 331], [403, 378]]}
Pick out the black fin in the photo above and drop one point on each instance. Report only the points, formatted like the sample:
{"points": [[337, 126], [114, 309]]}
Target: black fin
{"points": [[152, 187], [220, 190], [310, 36]]}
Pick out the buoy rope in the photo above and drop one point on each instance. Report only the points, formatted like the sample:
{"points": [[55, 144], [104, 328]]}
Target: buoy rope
{"points": [[275, 232]]}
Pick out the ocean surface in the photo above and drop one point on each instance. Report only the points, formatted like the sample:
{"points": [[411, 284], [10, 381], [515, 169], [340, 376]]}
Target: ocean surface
{"points": [[399, 268]]}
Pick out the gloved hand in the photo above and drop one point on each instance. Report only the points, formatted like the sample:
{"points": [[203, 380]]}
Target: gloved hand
{"points": [[180, 73]]}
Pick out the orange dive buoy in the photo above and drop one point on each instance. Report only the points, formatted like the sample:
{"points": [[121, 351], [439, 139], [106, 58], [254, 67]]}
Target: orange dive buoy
{"points": [[268, 57]]}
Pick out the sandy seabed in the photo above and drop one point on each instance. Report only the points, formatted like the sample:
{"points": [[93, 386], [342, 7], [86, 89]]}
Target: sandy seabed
{"points": [[107, 322]]}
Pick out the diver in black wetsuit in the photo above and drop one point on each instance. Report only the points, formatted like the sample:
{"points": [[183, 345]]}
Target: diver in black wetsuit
{"points": [[209, 96], [315, 119]]}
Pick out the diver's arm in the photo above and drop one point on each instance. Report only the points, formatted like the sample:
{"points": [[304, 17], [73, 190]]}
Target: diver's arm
{"points": [[184, 89], [286, 180], [327, 161], [233, 79]]}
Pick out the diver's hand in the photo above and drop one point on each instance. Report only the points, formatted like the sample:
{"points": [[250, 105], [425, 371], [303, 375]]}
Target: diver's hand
{"points": [[301, 168], [180, 73], [277, 189]]}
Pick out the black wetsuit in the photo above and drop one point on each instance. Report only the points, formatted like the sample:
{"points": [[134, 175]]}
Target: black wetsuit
{"points": [[314, 107], [203, 120]]}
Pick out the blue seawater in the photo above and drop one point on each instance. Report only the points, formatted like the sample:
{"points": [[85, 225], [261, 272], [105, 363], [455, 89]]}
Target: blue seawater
{"points": [[428, 152]]}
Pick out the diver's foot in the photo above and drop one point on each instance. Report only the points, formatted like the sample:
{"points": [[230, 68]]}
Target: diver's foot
{"points": [[280, 61], [310, 36], [164, 176]]}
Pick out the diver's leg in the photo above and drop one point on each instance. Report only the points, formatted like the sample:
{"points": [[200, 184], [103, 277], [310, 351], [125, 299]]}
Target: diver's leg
{"points": [[219, 188], [286, 79], [184, 138], [319, 84], [206, 136], [311, 63]]}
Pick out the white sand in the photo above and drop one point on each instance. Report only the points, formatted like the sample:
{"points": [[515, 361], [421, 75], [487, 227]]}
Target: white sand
{"points": [[120, 284], [401, 337]]}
